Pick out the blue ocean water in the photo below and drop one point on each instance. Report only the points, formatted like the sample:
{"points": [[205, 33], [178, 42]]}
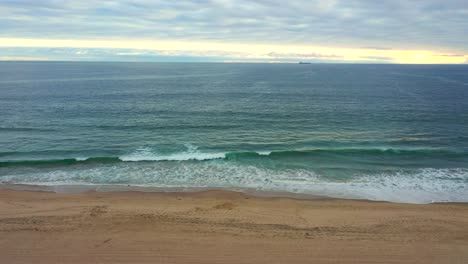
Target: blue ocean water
{"points": [[380, 132]]}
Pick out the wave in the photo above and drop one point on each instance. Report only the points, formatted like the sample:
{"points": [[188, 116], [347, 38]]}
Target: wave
{"points": [[59, 162], [423, 185], [146, 155]]}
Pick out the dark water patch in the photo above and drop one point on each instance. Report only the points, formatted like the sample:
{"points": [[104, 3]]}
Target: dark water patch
{"points": [[25, 129]]}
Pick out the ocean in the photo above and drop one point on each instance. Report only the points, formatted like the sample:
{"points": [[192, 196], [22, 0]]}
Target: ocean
{"points": [[362, 131]]}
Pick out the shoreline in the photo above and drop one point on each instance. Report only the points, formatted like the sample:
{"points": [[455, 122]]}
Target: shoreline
{"points": [[218, 226], [110, 188]]}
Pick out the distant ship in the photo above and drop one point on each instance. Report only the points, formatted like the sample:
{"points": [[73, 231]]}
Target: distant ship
{"points": [[301, 62]]}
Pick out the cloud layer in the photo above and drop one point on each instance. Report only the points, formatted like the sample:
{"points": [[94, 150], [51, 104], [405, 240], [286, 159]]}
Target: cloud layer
{"points": [[431, 25]]}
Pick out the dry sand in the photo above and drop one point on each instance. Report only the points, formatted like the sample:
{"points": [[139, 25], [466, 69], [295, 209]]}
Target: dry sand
{"points": [[224, 227]]}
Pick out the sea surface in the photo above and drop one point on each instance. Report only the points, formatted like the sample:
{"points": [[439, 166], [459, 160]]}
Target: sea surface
{"points": [[381, 132]]}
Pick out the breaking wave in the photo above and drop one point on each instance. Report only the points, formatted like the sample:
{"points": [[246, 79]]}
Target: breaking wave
{"points": [[145, 154]]}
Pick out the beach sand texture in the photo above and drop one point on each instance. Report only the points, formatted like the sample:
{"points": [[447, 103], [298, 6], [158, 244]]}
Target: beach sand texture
{"points": [[225, 227]]}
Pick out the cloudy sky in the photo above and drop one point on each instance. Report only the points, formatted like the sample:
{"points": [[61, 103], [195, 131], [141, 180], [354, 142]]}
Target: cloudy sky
{"points": [[388, 31]]}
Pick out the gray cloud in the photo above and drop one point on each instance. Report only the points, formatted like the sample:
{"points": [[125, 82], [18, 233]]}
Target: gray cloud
{"points": [[377, 48], [109, 54], [377, 58], [314, 55], [452, 55], [389, 24]]}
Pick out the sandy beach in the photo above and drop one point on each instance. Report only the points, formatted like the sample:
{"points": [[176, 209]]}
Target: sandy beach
{"points": [[224, 227]]}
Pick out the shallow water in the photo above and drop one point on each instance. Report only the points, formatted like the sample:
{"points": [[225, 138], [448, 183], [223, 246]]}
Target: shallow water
{"points": [[381, 132]]}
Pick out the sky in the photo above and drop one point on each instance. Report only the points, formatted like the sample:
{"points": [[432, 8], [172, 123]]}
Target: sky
{"points": [[336, 31]]}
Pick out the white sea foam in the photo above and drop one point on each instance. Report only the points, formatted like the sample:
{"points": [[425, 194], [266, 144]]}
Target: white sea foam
{"points": [[420, 186], [147, 154]]}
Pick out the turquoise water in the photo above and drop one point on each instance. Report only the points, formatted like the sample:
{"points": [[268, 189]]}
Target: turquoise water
{"points": [[380, 132]]}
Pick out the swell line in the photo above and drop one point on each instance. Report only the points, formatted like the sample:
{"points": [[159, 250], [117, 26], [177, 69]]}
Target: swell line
{"points": [[202, 156]]}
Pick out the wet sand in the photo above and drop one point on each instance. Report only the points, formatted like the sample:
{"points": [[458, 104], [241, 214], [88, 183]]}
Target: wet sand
{"points": [[224, 227]]}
